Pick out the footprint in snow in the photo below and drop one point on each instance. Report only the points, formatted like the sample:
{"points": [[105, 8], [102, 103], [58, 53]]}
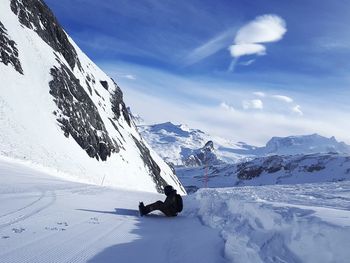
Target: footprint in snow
{"points": [[18, 230], [62, 223], [55, 228], [60, 227], [94, 220], [5, 237]]}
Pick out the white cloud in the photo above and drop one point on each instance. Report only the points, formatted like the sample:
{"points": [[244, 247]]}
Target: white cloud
{"points": [[226, 106], [283, 98], [249, 38], [247, 63], [129, 76], [297, 110], [247, 49], [266, 28], [252, 104], [259, 94]]}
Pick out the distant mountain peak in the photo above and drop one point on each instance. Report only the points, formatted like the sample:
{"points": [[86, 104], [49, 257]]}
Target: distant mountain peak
{"points": [[312, 143]]}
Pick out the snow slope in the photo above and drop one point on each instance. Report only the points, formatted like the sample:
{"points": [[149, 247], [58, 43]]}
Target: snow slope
{"points": [[59, 110], [46, 219]]}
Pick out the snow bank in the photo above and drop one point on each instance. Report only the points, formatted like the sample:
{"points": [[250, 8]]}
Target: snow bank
{"points": [[279, 223]]}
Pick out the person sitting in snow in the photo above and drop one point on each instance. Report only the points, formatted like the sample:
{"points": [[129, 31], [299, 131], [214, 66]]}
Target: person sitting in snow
{"points": [[170, 207]]}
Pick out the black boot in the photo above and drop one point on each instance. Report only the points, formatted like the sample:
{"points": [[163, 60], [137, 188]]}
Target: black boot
{"points": [[142, 209]]}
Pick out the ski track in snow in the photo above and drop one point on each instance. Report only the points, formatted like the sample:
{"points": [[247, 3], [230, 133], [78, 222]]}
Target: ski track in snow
{"points": [[45, 219], [43, 202]]}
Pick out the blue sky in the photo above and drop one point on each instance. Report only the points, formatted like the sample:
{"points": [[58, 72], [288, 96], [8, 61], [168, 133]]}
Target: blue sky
{"points": [[245, 70]]}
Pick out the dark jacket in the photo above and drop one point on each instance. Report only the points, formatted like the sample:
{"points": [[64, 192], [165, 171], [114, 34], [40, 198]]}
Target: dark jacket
{"points": [[171, 202]]}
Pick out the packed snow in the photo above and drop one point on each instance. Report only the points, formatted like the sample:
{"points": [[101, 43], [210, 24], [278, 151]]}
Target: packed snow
{"points": [[46, 219]]}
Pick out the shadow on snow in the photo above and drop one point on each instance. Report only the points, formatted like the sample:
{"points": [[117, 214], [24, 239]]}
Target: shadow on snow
{"points": [[157, 238]]}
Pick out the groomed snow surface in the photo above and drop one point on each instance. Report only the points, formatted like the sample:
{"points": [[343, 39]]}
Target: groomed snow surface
{"points": [[46, 219]]}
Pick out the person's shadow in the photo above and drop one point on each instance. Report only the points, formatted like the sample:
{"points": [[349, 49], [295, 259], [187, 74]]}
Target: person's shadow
{"points": [[125, 212], [118, 211]]}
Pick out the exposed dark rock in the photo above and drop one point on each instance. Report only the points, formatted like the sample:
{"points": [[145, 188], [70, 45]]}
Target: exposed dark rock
{"points": [[98, 94], [314, 167], [118, 105], [273, 164], [8, 50], [172, 167], [192, 161], [116, 128], [78, 116], [104, 84], [202, 156], [290, 166], [35, 15], [209, 146], [152, 165], [248, 171], [191, 189]]}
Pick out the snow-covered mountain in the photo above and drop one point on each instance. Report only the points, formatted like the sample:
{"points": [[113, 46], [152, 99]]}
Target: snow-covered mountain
{"points": [[306, 144], [179, 145], [60, 111], [176, 143], [199, 157], [203, 156], [269, 170]]}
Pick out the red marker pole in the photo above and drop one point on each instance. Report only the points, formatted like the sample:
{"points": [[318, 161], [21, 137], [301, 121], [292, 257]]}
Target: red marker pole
{"points": [[206, 176], [206, 171]]}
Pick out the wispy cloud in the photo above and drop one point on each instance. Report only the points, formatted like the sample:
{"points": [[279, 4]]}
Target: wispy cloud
{"points": [[282, 98], [252, 104], [249, 38], [129, 76], [226, 106], [297, 109], [247, 63], [209, 48], [259, 94]]}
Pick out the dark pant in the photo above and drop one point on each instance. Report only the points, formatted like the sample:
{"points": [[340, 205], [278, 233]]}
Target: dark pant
{"points": [[159, 205]]}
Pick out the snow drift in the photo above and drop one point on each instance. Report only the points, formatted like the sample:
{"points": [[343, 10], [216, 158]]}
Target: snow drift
{"points": [[296, 223]]}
